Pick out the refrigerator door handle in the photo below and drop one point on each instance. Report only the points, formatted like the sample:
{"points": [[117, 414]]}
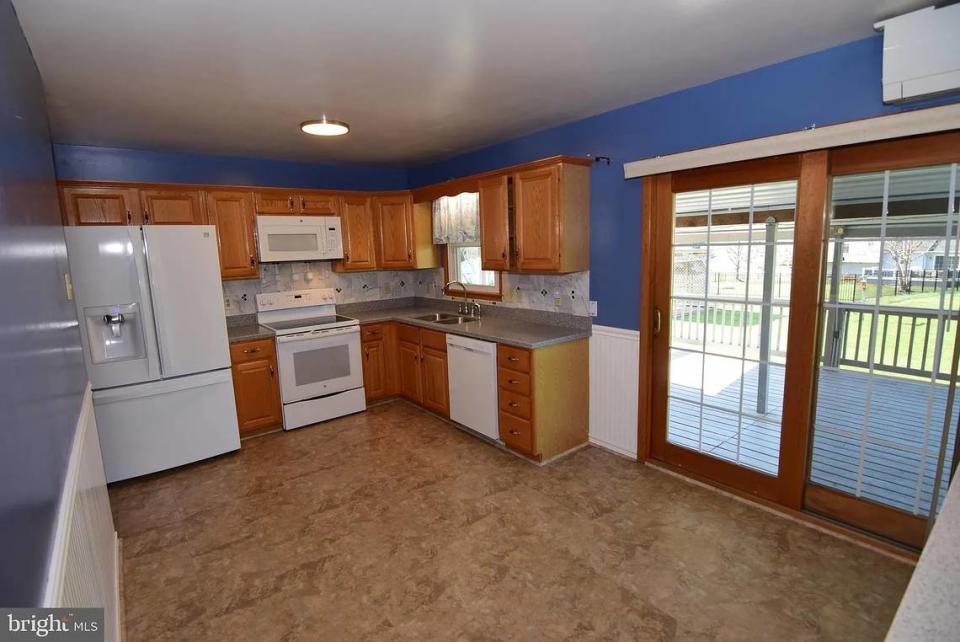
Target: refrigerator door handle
{"points": [[154, 295]]}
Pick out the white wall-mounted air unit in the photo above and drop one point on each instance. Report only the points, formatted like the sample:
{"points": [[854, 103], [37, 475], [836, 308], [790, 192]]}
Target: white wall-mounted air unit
{"points": [[921, 54]]}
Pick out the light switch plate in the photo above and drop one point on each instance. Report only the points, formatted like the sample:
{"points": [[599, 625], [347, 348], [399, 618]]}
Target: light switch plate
{"points": [[593, 308]]}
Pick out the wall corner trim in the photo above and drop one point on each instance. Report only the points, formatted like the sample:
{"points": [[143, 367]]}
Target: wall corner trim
{"points": [[910, 123]]}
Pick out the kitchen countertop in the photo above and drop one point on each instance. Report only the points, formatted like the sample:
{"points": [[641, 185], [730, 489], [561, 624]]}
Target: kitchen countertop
{"points": [[490, 328], [248, 332]]}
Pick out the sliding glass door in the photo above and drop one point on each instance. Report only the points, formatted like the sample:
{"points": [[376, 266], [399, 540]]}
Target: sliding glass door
{"points": [[889, 332], [803, 315]]}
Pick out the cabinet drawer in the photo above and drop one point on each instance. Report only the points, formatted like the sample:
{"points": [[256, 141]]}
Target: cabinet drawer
{"points": [[516, 404], [408, 333], [514, 358], [433, 339], [372, 332], [251, 350], [516, 433], [513, 381]]}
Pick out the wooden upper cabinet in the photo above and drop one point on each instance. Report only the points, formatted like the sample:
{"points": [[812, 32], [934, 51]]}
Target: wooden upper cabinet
{"points": [[494, 223], [394, 218], [552, 218], [172, 207], [320, 203], [232, 213], [297, 202], [537, 195], [277, 203], [92, 205], [356, 225]]}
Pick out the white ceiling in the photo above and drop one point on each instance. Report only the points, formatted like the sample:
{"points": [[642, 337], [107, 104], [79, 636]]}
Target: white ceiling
{"points": [[417, 80]]}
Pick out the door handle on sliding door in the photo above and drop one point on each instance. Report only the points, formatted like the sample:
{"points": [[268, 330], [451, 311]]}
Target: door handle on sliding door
{"points": [[657, 322]]}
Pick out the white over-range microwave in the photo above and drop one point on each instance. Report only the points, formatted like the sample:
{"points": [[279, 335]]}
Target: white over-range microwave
{"points": [[299, 238]]}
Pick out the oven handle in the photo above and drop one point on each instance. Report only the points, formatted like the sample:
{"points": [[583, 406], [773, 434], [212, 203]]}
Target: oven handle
{"points": [[322, 334]]}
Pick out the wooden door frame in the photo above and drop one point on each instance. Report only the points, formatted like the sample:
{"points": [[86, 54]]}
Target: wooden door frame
{"points": [[810, 170]]}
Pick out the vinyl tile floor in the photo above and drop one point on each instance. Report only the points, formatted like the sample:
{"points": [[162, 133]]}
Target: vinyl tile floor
{"points": [[394, 525]]}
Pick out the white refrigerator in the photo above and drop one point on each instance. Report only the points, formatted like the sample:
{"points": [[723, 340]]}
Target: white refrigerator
{"points": [[150, 306]]}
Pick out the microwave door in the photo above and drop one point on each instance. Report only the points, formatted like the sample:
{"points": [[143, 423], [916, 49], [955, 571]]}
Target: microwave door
{"points": [[290, 238], [316, 365]]}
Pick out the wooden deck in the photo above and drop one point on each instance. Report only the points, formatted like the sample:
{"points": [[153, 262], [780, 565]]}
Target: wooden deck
{"points": [[879, 459]]}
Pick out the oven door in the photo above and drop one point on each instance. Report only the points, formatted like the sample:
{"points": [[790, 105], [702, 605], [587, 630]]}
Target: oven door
{"points": [[319, 363], [291, 238]]}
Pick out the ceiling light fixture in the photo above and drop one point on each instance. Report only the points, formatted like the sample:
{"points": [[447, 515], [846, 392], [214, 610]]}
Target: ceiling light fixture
{"points": [[325, 127]]}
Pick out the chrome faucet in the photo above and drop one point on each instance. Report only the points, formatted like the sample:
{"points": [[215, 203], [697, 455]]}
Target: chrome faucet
{"points": [[464, 307]]}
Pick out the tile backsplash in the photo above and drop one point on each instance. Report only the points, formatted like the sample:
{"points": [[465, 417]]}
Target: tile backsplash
{"points": [[530, 291]]}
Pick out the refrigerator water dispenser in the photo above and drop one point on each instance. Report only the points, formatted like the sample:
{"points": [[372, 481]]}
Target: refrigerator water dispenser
{"points": [[114, 332]]}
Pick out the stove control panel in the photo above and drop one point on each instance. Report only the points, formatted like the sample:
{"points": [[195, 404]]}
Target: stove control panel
{"points": [[293, 299]]}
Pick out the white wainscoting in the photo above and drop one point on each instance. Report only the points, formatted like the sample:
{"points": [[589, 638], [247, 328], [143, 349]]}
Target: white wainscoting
{"points": [[84, 565], [614, 369]]}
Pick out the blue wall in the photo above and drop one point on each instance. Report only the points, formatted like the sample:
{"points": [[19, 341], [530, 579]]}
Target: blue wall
{"points": [[41, 366], [114, 164], [831, 86]]}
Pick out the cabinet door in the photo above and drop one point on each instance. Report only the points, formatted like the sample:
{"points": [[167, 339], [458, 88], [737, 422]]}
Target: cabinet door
{"points": [[277, 203], [374, 370], [537, 199], [321, 203], [494, 224], [408, 356], [171, 207], [436, 389], [257, 395], [232, 213], [359, 249], [100, 206], [394, 216]]}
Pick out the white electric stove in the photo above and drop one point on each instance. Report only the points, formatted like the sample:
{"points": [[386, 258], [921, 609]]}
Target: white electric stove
{"points": [[318, 355]]}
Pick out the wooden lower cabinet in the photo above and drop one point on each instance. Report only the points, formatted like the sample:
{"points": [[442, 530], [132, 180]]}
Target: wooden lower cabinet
{"points": [[256, 386], [433, 366], [401, 359], [378, 347], [408, 360], [544, 398]]}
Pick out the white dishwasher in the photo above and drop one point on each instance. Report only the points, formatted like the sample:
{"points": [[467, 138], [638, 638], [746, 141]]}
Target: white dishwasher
{"points": [[472, 375]]}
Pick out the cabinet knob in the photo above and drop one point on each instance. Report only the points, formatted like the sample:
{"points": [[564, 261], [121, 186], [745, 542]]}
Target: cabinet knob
{"points": [[251, 350], [513, 358], [513, 382], [303, 204], [290, 203], [146, 215], [514, 432], [271, 371], [503, 254], [253, 261], [129, 217], [513, 404], [346, 257], [409, 256]]}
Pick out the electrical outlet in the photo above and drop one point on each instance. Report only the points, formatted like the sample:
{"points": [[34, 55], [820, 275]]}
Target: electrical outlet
{"points": [[385, 288], [68, 284], [227, 303], [557, 301], [593, 308]]}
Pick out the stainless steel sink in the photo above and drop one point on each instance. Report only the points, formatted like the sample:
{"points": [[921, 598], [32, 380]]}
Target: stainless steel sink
{"points": [[458, 320], [438, 317]]}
